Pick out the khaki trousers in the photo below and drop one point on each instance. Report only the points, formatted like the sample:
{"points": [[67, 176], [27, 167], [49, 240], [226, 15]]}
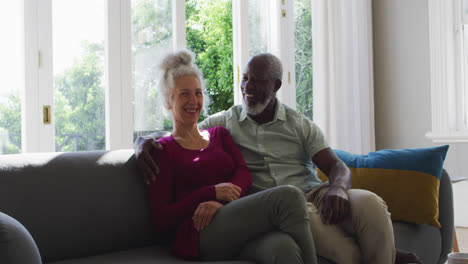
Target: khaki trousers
{"points": [[365, 236]]}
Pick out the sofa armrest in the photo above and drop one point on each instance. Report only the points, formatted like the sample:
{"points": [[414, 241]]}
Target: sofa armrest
{"points": [[446, 217], [16, 244]]}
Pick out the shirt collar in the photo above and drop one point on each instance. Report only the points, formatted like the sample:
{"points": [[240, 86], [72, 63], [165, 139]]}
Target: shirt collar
{"points": [[280, 112]]}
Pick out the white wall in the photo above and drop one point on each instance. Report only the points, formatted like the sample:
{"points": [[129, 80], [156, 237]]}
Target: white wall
{"points": [[402, 86], [402, 79], [401, 73]]}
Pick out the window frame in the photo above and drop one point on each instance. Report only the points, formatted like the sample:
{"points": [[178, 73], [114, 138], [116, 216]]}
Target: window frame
{"points": [[447, 72], [281, 44], [38, 85], [38, 76]]}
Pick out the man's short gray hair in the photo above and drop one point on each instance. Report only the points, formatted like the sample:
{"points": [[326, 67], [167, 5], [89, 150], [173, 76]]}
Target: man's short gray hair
{"points": [[178, 65], [275, 67]]}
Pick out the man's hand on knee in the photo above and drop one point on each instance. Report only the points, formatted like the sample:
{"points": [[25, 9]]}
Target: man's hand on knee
{"points": [[335, 205]]}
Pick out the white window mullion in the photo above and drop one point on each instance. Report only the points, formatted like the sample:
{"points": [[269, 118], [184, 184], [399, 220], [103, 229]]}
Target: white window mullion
{"points": [[282, 45], [126, 74], [30, 92], [118, 80], [45, 76], [179, 37], [287, 54], [240, 29], [38, 84]]}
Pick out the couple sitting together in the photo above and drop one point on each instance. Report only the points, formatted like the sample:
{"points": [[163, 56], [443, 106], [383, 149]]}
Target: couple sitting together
{"points": [[242, 185]]}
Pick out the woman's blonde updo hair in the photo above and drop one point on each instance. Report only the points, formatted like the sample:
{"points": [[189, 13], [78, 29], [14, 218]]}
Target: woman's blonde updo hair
{"points": [[176, 65]]}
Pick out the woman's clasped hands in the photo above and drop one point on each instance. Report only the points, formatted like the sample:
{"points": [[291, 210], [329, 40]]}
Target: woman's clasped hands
{"points": [[227, 192]]}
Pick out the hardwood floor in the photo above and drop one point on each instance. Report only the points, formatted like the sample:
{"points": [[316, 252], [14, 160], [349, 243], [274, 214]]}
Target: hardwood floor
{"points": [[462, 237]]}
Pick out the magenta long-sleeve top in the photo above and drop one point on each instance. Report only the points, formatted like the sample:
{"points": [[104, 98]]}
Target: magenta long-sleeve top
{"points": [[186, 179]]}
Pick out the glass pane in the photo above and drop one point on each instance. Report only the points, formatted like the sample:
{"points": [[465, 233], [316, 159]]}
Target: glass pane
{"points": [[151, 41], [465, 11], [78, 52], [209, 36], [303, 56], [258, 26], [11, 74]]}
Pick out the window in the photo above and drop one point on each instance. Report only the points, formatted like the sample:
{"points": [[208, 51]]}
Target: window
{"points": [[56, 94], [11, 76], [75, 84], [78, 75], [209, 36], [152, 38], [283, 28], [259, 31], [303, 56], [205, 27], [449, 70]]}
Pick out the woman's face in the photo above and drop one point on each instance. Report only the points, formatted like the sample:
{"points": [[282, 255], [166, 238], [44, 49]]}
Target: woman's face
{"points": [[187, 100]]}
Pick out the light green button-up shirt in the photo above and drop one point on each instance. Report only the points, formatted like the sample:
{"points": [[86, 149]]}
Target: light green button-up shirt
{"points": [[277, 153]]}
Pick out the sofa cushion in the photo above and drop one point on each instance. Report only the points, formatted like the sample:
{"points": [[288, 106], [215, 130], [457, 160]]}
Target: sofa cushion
{"points": [[407, 180], [147, 255], [16, 244], [77, 204], [424, 240]]}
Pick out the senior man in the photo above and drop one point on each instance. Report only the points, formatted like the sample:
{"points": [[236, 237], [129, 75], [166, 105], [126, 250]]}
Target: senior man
{"points": [[281, 146]]}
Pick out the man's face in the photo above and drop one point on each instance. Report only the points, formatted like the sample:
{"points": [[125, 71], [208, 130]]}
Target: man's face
{"points": [[258, 90]]}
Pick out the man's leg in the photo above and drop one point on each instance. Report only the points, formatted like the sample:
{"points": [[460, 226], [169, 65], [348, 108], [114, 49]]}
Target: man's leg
{"points": [[369, 223], [370, 220], [331, 242], [281, 208], [272, 248]]}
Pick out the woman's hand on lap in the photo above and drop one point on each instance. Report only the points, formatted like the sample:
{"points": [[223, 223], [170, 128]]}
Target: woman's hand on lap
{"points": [[204, 213]]}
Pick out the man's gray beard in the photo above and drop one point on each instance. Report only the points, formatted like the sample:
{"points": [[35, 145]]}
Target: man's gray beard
{"points": [[258, 108]]}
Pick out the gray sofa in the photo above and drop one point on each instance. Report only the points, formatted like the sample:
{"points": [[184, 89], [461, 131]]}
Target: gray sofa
{"points": [[92, 207]]}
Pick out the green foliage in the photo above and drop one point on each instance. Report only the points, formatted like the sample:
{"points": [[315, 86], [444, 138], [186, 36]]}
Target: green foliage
{"points": [[80, 102], [10, 124], [303, 56], [151, 23], [209, 35]]}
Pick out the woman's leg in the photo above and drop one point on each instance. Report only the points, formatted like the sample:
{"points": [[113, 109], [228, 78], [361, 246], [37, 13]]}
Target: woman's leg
{"points": [[281, 208]]}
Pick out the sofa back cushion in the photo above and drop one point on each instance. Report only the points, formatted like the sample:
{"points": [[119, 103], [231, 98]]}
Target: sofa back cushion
{"points": [[77, 204]]}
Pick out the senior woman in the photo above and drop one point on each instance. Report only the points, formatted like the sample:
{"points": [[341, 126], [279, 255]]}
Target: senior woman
{"points": [[199, 193]]}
